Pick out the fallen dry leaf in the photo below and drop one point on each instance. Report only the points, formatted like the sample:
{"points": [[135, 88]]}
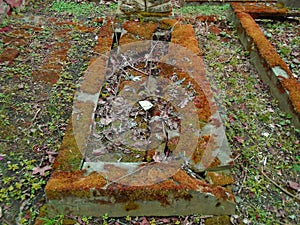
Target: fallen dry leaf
{"points": [[144, 221], [41, 170], [294, 185]]}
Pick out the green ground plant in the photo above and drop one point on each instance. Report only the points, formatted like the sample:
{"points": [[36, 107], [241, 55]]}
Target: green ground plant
{"points": [[204, 9], [83, 9]]}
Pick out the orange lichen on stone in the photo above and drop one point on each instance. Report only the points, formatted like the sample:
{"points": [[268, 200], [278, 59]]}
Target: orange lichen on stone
{"points": [[168, 23], [149, 173], [134, 72], [94, 76], [150, 154], [127, 39], [203, 108], [219, 178], [53, 63], [204, 152], [167, 71], [215, 163], [105, 39], [69, 157], [190, 183], [187, 182], [75, 183], [255, 9], [178, 185], [199, 151], [54, 67], [293, 87], [104, 45], [141, 29], [106, 30], [184, 35], [266, 50], [157, 192]]}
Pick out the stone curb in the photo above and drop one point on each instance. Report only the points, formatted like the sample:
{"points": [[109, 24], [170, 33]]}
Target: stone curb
{"points": [[272, 69]]}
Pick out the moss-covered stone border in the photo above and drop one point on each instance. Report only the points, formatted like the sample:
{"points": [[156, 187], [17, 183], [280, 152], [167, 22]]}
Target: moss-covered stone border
{"points": [[272, 69]]}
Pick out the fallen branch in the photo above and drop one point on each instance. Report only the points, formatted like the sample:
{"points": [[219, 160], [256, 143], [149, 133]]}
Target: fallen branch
{"points": [[278, 186]]}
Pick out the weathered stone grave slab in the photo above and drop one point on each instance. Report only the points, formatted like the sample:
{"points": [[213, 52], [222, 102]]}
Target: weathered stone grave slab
{"points": [[145, 7], [191, 177]]}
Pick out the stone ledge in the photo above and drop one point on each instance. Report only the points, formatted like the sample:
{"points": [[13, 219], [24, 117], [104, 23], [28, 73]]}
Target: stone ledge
{"points": [[272, 69]]}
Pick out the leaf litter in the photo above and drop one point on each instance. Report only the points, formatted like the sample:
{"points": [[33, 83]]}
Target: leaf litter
{"points": [[117, 121]]}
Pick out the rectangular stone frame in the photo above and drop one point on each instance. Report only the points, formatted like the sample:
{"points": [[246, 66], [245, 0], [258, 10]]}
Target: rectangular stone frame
{"points": [[78, 191]]}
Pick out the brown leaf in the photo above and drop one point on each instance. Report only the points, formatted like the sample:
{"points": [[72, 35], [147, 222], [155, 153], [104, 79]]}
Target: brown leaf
{"points": [[144, 222], [166, 221], [41, 170], [294, 185], [239, 139], [100, 151]]}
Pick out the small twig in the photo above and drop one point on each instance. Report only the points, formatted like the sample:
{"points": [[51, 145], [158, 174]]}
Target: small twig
{"points": [[244, 180], [238, 156], [277, 185], [138, 70], [3, 140], [206, 26], [35, 115], [229, 59], [42, 100], [8, 43]]}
